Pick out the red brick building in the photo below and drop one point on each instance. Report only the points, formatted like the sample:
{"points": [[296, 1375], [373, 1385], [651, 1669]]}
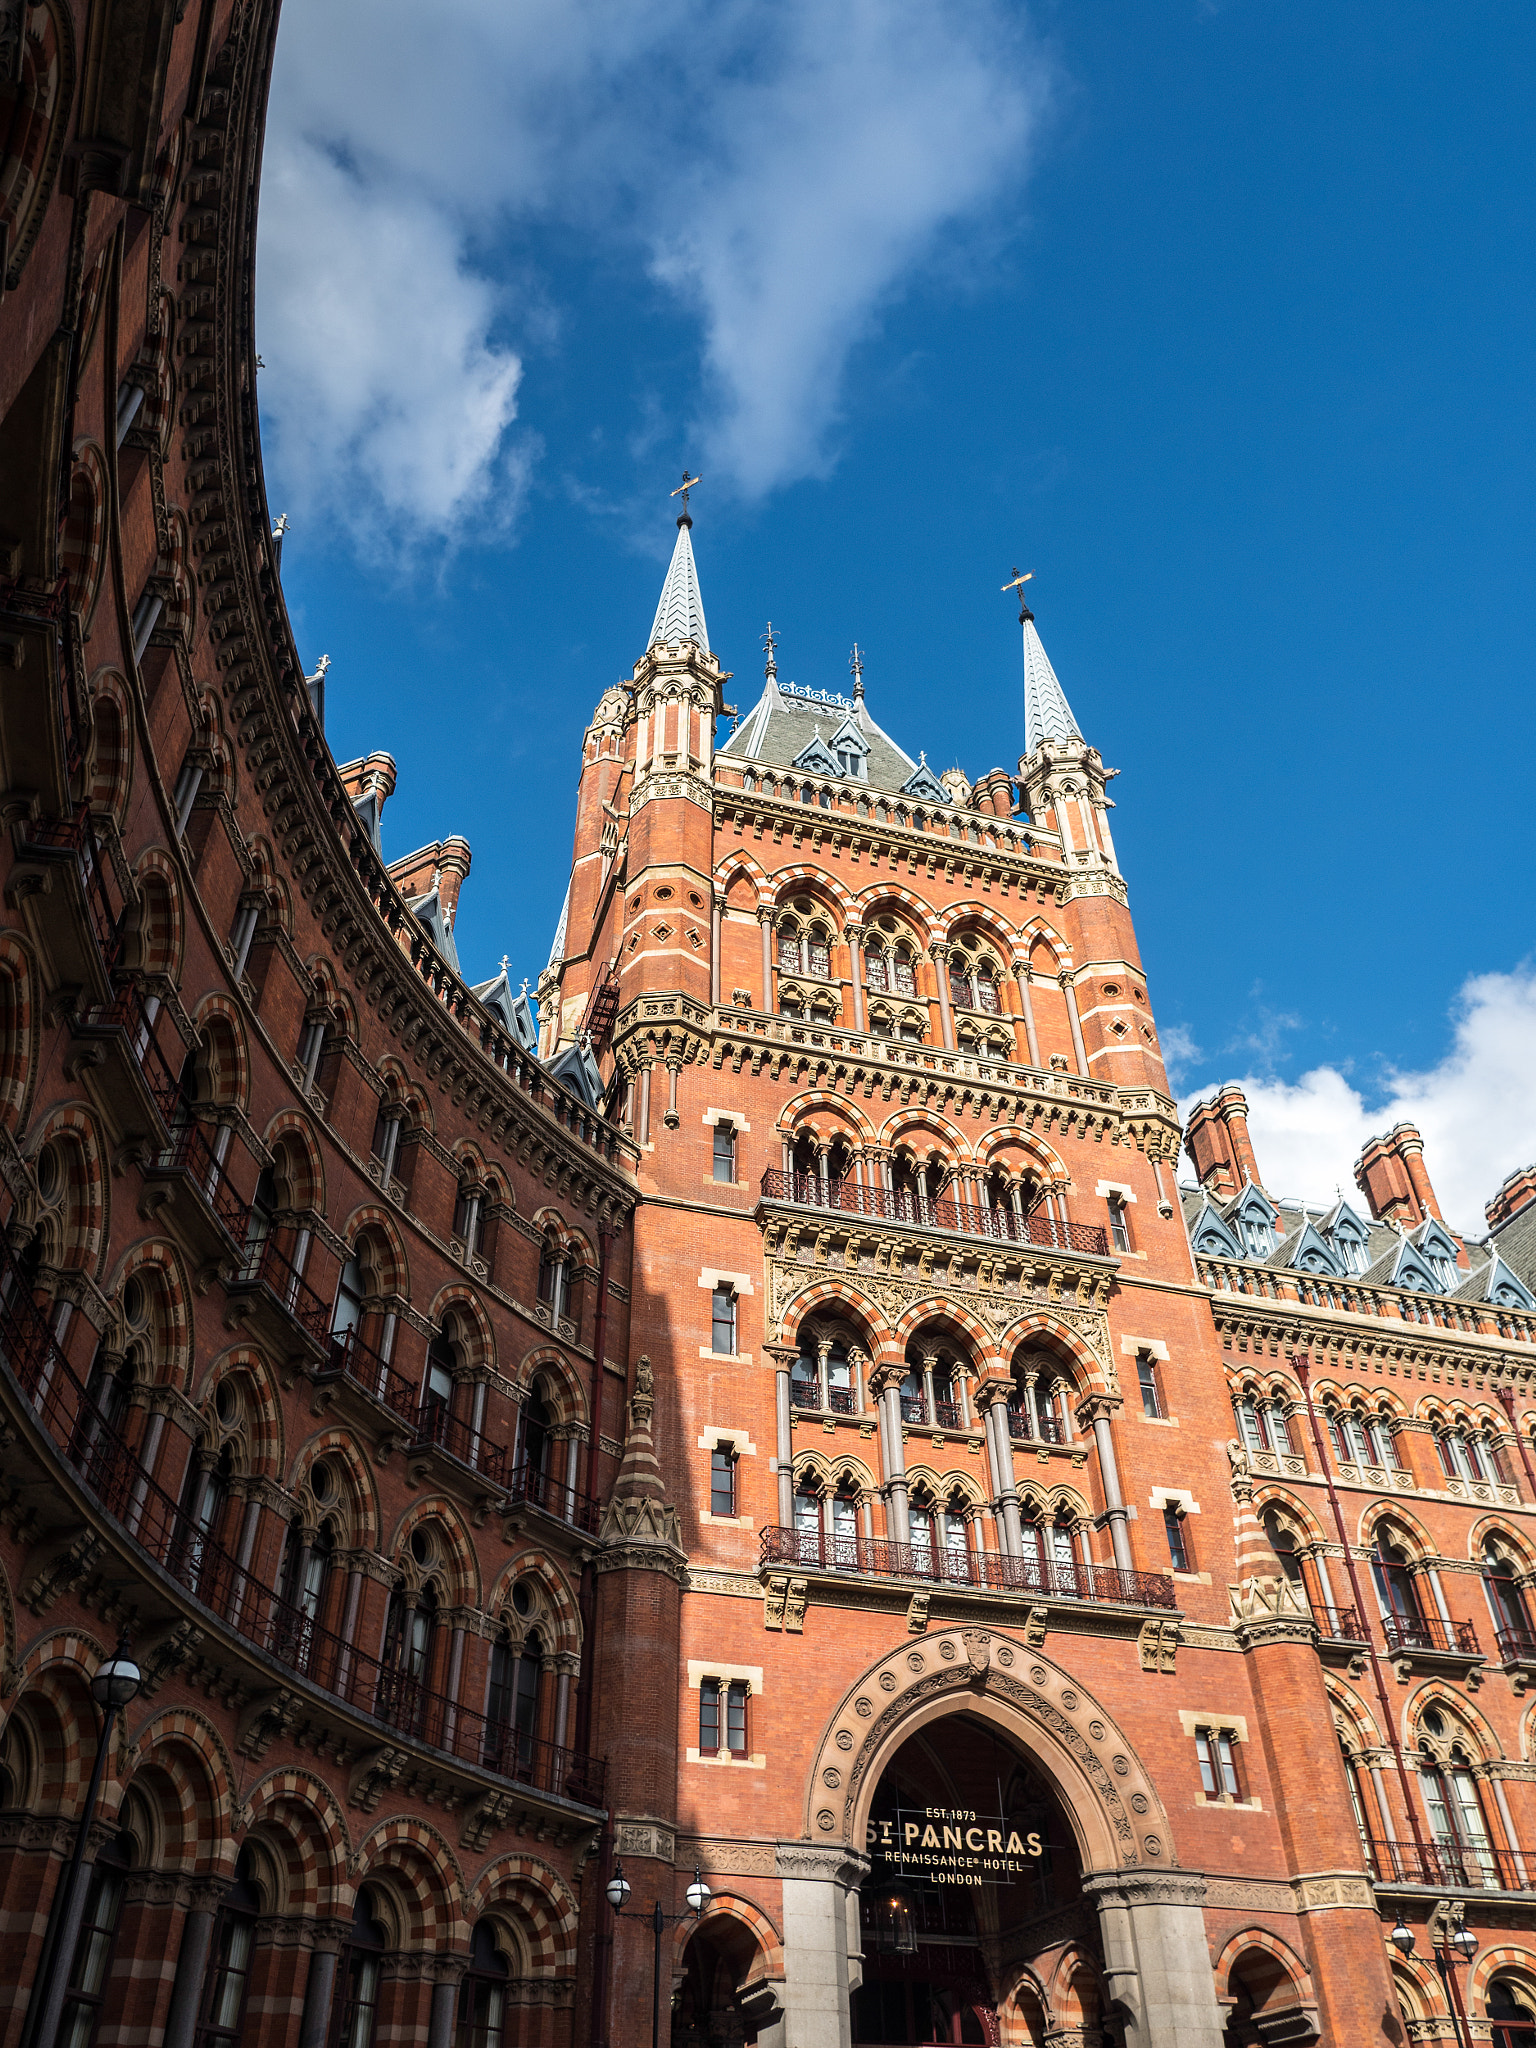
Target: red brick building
{"points": [[775, 1414]]}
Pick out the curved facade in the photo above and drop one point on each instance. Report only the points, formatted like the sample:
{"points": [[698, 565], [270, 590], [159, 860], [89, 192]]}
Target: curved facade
{"points": [[777, 1416]]}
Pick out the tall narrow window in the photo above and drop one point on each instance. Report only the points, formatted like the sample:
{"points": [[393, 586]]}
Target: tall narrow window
{"points": [[722, 1325], [722, 1480], [1178, 1543], [725, 1152], [709, 1716], [386, 1137], [1119, 1223], [552, 1281], [229, 1961], [96, 1942], [348, 1312], [468, 1219], [1151, 1393], [722, 1717], [736, 1717], [362, 1959], [483, 1997]]}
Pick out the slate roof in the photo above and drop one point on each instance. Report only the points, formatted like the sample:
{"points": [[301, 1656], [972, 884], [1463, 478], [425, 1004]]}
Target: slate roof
{"points": [[1502, 1268], [787, 719], [1047, 714], [680, 614]]}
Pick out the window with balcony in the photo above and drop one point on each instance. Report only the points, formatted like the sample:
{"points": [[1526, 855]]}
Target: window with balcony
{"points": [[1512, 2011], [1216, 1753], [1511, 1616], [1396, 1587], [722, 1321], [1457, 1824], [723, 1717], [722, 1480], [724, 1152], [229, 1960]]}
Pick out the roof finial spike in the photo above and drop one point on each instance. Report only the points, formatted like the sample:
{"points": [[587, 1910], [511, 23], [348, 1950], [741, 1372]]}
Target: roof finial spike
{"points": [[771, 645], [682, 491], [1047, 714], [856, 670], [1020, 578]]}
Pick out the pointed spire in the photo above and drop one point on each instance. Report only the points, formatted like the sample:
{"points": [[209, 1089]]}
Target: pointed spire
{"points": [[680, 614], [1047, 714]]}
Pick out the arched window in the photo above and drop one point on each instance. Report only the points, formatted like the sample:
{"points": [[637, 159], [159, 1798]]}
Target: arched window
{"points": [[96, 1942], [1511, 1618], [552, 1280], [437, 1389], [818, 952], [1461, 1846], [469, 1219], [229, 1960], [789, 949], [538, 1440], [348, 1311], [483, 1996], [828, 1526], [876, 971], [206, 1495], [264, 1204], [1283, 1543], [362, 1960], [1513, 2011], [1395, 1586], [1356, 1797]]}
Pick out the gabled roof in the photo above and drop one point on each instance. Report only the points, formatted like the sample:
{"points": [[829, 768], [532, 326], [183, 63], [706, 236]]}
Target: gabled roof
{"points": [[817, 757], [1495, 1282], [576, 1069], [370, 809], [923, 782], [1210, 1234], [428, 913], [1047, 714], [1405, 1267], [680, 614], [1433, 1239], [514, 1009], [1342, 1221], [1307, 1251], [1250, 1202]]}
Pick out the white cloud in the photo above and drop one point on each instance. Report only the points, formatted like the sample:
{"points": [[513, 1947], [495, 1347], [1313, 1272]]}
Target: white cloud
{"points": [[1476, 1109], [784, 169]]}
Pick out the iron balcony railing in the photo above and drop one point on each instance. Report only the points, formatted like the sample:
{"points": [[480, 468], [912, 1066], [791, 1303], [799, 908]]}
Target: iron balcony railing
{"points": [[1045, 1429], [190, 1553], [1339, 1625], [76, 835], [127, 1013], [449, 1433], [984, 1570], [267, 1265], [1516, 1645], [898, 1205], [190, 1153], [1445, 1638], [1474, 1866], [348, 1357], [566, 1503]]}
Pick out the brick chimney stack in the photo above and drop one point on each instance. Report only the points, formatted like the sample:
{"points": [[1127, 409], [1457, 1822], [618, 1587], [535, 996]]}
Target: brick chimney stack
{"points": [[1217, 1141], [1392, 1176], [1517, 1193], [994, 793]]}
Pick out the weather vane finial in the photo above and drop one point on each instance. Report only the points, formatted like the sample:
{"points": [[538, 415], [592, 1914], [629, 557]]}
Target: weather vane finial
{"points": [[684, 518], [770, 647], [1020, 578], [856, 670]]}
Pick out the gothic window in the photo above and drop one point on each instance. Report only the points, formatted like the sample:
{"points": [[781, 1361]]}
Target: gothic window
{"points": [[469, 1219], [789, 951], [483, 1994], [348, 1311], [903, 971], [229, 1960], [538, 1439], [1456, 1819], [361, 1966], [1176, 1528], [553, 1275], [1512, 2008], [96, 1942], [386, 1136], [920, 1533], [818, 952], [875, 976], [1395, 1583], [1512, 1621]]}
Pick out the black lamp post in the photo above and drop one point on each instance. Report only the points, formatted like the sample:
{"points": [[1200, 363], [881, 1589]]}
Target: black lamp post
{"points": [[1457, 1949], [115, 1685], [698, 1896]]}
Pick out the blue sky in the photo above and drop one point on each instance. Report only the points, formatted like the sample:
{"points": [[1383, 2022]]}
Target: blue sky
{"points": [[1218, 317]]}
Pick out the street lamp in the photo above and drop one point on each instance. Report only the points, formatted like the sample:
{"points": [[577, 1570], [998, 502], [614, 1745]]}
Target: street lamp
{"points": [[115, 1685], [616, 1891], [1457, 1948]]}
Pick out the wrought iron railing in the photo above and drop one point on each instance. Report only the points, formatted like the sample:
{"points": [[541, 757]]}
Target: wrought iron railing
{"points": [[897, 1205], [1340, 1625], [349, 1357], [266, 1264], [566, 1503], [1449, 1638], [1516, 1645], [984, 1570], [1045, 1429], [167, 1533], [128, 1014], [77, 835], [189, 1152], [1474, 1866], [450, 1433]]}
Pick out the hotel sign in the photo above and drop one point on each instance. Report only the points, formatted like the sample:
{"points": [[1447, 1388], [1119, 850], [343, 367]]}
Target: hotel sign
{"points": [[951, 1845]]}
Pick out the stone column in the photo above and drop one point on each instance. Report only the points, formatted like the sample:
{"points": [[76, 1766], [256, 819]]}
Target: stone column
{"points": [[858, 1362], [717, 907], [992, 1400], [644, 1133], [674, 1068], [192, 1964], [1021, 975], [854, 934], [1075, 1021], [885, 1385], [823, 1964], [1095, 1412], [765, 926], [448, 1972], [783, 1356], [1157, 1965], [939, 955]]}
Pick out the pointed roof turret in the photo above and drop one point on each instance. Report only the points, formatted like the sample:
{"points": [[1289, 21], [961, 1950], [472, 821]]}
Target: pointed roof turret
{"points": [[1047, 714], [680, 614]]}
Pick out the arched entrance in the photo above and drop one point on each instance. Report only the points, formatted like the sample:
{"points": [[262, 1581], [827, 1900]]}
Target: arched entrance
{"points": [[957, 1701], [974, 1896]]}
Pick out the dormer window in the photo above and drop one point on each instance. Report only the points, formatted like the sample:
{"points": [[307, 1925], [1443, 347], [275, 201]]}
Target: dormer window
{"points": [[1258, 1240]]}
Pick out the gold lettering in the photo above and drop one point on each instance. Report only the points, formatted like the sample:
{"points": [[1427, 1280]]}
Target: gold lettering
{"points": [[930, 1837], [995, 1841], [1015, 1846], [973, 1838], [909, 1833], [952, 1838], [1034, 1845]]}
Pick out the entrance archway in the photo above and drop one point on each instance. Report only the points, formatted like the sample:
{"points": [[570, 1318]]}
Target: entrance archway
{"points": [[1139, 1915]]}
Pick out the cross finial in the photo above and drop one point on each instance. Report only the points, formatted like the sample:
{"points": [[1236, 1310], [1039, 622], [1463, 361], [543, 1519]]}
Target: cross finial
{"points": [[771, 647], [1020, 578], [856, 670], [688, 483], [503, 963], [281, 527]]}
